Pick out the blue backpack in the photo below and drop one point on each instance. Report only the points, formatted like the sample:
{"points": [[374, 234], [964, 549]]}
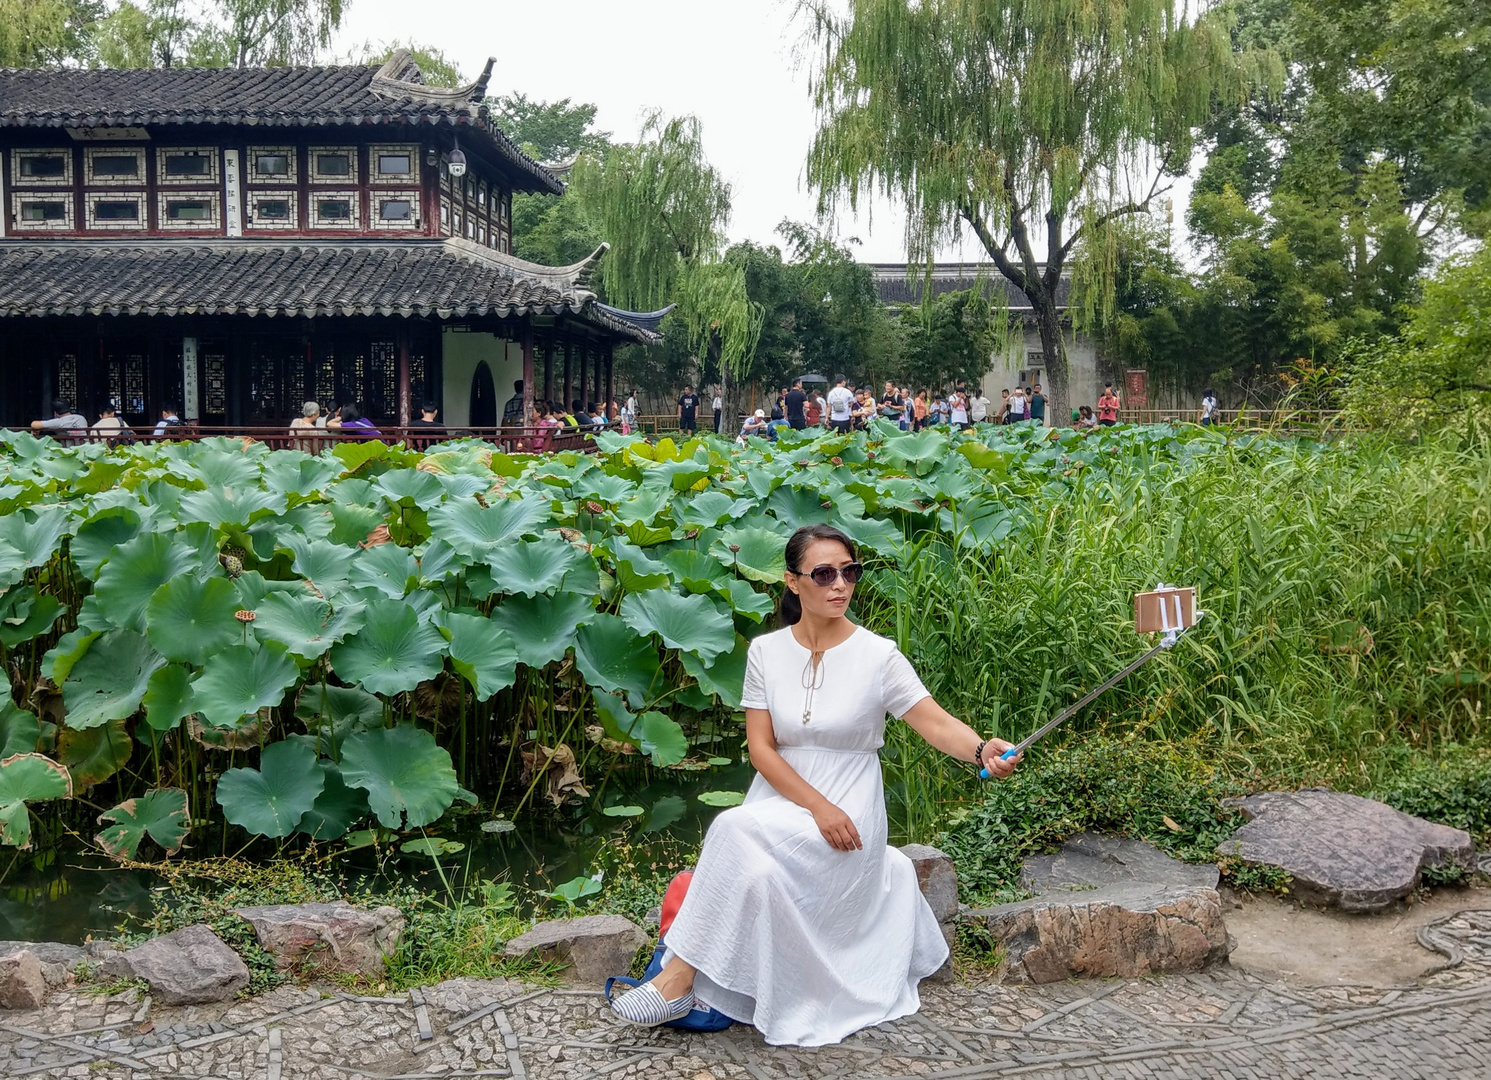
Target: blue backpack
{"points": [[701, 1019]]}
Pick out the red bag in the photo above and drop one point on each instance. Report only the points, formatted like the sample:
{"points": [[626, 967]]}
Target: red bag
{"points": [[673, 900]]}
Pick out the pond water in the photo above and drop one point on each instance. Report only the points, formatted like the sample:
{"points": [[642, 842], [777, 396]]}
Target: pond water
{"points": [[70, 893]]}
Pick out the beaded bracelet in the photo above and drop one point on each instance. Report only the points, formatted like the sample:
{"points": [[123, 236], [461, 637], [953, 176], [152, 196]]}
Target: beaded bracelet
{"points": [[978, 754]]}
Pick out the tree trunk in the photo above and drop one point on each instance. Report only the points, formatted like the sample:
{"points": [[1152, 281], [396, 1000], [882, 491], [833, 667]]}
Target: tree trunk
{"points": [[1057, 390], [729, 392]]}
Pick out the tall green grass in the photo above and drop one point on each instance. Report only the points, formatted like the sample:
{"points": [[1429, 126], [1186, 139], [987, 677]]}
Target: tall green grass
{"points": [[1347, 591]]}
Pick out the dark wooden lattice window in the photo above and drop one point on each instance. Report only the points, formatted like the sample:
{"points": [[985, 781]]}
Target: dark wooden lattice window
{"points": [[127, 383], [66, 380], [383, 382], [214, 383]]}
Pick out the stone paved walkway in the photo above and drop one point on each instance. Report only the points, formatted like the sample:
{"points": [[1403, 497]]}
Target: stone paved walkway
{"points": [[1226, 1024]]}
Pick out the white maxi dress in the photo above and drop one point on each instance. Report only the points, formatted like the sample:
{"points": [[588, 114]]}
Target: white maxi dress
{"points": [[807, 943]]}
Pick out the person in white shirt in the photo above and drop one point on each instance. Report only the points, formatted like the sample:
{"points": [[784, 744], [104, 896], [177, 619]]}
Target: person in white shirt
{"points": [[719, 410], [840, 407], [1208, 407], [958, 408], [1019, 406], [978, 407]]}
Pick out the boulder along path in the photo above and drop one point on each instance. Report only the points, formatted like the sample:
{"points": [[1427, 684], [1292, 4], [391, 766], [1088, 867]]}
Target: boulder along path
{"points": [[1223, 1023]]}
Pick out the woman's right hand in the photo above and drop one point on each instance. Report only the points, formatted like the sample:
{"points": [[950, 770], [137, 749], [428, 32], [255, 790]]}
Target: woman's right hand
{"points": [[837, 828]]}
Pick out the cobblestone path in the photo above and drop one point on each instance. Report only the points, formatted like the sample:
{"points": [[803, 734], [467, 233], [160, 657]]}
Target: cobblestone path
{"points": [[1226, 1024]]}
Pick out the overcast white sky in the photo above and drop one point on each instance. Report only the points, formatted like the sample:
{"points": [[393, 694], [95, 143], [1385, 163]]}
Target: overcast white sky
{"points": [[732, 63]]}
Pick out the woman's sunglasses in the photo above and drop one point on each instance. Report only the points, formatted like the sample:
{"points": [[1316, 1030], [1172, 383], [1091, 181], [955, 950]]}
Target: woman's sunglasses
{"points": [[825, 576]]}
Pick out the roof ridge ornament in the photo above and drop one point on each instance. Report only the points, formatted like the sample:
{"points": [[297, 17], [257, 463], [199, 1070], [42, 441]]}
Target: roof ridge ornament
{"points": [[400, 78], [564, 166], [576, 276]]}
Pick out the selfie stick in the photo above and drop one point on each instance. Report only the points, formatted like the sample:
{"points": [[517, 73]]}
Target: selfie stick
{"points": [[1170, 638]]}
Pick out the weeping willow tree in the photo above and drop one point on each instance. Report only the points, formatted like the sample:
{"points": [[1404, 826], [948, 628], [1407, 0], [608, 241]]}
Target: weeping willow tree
{"points": [[1035, 125], [663, 209]]}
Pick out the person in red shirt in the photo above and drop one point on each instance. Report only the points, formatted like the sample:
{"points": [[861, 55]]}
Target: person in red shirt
{"points": [[1108, 406]]}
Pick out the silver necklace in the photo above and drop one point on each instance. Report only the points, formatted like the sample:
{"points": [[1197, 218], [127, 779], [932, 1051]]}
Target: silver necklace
{"points": [[812, 679]]}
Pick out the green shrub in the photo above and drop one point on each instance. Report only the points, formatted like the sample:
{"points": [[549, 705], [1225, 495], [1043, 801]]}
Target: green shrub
{"points": [[1453, 788], [1166, 793]]}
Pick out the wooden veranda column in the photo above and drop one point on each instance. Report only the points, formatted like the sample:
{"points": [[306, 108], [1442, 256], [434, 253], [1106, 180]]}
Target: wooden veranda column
{"points": [[405, 390], [599, 377], [527, 417], [548, 369], [568, 378], [610, 378]]}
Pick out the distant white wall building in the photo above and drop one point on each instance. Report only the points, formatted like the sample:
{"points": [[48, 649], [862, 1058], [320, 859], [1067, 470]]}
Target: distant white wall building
{"points": [[1022, 362]]}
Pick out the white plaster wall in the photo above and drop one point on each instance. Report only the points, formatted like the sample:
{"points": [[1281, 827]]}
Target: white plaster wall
{"points": [[1021, 365], [459, 355]]}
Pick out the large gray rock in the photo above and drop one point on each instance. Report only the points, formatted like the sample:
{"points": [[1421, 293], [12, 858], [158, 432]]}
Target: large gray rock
{"points": [[1342, 850], [937, 879], [593, 946], [938, 882], [190, 966], [330, 937], [58, 961], [1119, 931], [22, 985], [1094, 861]]}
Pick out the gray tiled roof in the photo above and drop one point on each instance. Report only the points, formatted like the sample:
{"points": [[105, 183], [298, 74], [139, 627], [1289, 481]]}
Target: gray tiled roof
{"points": [[899, 284], [263, 97], [441, 278]]}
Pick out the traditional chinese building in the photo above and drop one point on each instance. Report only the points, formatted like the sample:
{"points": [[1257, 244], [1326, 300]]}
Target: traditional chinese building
{"points": [[234, 243]]}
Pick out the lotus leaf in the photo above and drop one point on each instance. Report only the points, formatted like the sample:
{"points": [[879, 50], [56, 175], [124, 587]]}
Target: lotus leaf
{"points": [[25, 615], [217, 468], [133, 573], [387, 568], [94, 755], [431, 846], [710, 508], [305, 626], [745, 600], [97, 538], [272, 799], [393, 652], [70, 647], [35, 534], [798, 506], [168, 697], [20, 731], [298, 475], [408, 777], [651, 732], [473, 529], [877, 534], [690, 624], [241, 680], [623, 811], [604, 488], [721, 798], [334, 712], [189, 618], [635, 569], [218, 507], [336, 809], [481, 652], [109, 680], [411, 487], [724, 676], [612, 656], [438, 563], [321, 562], [695, 571], [160, 812], [762, 555], [536, 567], [664, 812], [352, 524], [27, 778], [543, 629]]}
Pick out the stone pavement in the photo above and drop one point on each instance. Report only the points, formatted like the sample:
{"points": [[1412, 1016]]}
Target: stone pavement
{"points": [[1226, 1024]]}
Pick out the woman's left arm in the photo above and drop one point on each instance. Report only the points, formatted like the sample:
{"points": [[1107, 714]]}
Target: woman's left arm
{"points": [[956, 739]]}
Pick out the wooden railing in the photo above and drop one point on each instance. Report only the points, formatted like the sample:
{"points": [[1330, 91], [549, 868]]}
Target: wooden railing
{"points": [[313, 441], [1286, 419]]}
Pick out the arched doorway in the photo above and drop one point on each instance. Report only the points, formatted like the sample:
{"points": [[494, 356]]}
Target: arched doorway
{"points": [[483, 398]]}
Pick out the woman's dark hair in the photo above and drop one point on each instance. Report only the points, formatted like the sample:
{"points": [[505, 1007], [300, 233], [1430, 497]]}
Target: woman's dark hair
{"points": [[350, 414], [791, 611], [1207, 393]]}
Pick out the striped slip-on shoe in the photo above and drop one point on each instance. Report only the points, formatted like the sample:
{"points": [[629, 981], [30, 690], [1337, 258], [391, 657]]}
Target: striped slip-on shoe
{"points": [[646, 1007]]}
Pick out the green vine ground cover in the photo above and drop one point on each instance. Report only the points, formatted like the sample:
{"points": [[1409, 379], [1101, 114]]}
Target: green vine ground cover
{"points": [[212, 645]]}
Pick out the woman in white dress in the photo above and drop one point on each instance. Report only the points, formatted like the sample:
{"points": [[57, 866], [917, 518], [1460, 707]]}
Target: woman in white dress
{"points": [[799, 918]]}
